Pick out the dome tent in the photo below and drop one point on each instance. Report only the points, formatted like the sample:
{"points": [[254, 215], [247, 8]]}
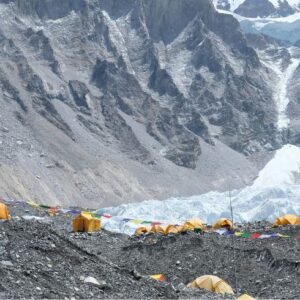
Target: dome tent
{"points": [[211, 283], [85, 222], [161, 229], [223, 223], [245, 297], [4, 213], [142, 230], [287, 220], [193, 224], [173, 229]]}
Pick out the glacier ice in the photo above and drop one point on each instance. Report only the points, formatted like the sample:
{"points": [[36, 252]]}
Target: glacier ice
{"points": [[275, 192]]}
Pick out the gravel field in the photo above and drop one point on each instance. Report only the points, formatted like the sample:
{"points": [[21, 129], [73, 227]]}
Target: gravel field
{"points": [[44, 259]]}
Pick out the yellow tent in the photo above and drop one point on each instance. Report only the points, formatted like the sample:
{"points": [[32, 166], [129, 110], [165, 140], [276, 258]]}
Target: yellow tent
{"points": [[193, 224], [223, 223], [245, 297], [85, 222], [172, 229], [4, 214], [287, 220], [211, 283], [161, 229], [142, 230]]}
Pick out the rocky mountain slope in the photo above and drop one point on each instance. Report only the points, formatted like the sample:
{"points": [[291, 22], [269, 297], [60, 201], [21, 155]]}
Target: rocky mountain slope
{"points": [[104, 102], [276, 41]]}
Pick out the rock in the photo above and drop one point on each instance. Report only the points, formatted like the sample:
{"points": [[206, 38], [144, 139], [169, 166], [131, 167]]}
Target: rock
{"points": [[136, 274], [181, 286], [6, 263], [100, 283]]}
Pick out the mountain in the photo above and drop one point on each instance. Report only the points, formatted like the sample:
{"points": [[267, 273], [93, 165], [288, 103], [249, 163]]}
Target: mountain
{"points": [[260, 8], [276, 40], [105, 102], [278, 19]]}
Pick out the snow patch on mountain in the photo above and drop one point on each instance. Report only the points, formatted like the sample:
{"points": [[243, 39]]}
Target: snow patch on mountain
{"points": [[281, 95]]}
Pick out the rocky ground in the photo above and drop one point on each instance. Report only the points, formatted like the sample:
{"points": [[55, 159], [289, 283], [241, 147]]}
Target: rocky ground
{"points": [[43, 259]]}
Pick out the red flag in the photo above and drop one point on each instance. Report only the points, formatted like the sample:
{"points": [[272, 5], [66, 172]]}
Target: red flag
{"points": [[255, 236]]}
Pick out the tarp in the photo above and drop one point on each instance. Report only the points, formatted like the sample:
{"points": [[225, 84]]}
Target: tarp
{"points": [[245, 297], [287, 220], [158, 277], [4, 214], [223, 223], [211, 283], [193, 224], [85, 222]]}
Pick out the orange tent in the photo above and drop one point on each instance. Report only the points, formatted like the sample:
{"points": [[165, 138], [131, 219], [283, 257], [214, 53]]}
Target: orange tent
{"points": [[4, 213], [287, 220], [85, 222], [223, 223]]}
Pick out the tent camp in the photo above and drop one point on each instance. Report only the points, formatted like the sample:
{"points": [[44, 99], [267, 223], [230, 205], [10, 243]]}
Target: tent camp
{"points": [[287, 220], [223, 223], [85, 222], [142, 230], [211, 283], [193, 224], [245, 297], [4, 214]]}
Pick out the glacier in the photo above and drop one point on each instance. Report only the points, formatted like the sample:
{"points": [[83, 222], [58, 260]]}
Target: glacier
{"points": [[276, 191]]}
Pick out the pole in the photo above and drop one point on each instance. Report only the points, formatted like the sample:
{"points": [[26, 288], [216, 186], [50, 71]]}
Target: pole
{"points": [[233, 243]]}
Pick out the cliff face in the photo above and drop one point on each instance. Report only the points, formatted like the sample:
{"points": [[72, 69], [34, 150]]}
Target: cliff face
{"points": [[114, 101]]}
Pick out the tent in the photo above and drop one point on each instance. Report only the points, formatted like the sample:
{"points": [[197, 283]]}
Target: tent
{"points": [[161, 229], [85, 222], [287, 220], [142, 230], [193, 224], [223, 223], [4, 214], [173, 229], [245, 297], [211, 283]]}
